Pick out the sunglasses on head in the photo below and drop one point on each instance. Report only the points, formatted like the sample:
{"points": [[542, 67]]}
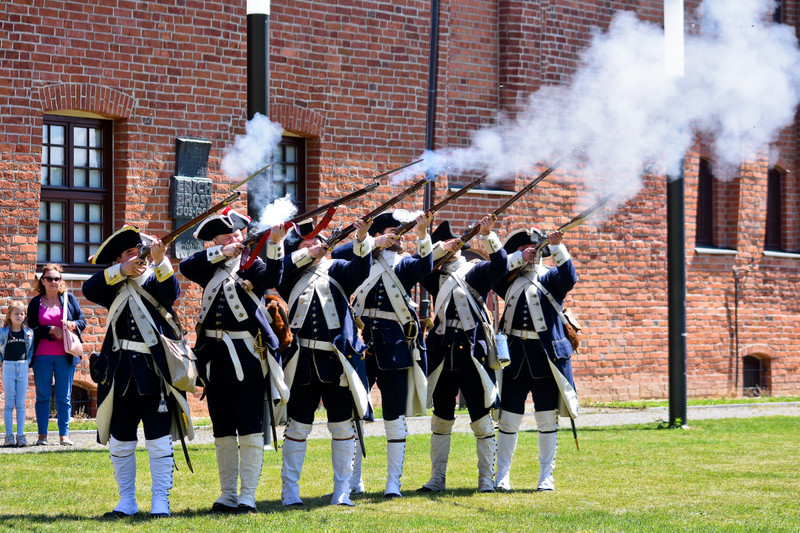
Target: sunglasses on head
{"points": [[50, 278]]}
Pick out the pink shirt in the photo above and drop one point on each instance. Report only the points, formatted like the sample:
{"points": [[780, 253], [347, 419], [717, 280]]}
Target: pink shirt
{"points": [[50, 317]]}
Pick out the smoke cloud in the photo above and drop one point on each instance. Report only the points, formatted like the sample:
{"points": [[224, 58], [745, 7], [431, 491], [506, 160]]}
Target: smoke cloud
{"points": [[252, 152], [741, 87], [276, 213]]}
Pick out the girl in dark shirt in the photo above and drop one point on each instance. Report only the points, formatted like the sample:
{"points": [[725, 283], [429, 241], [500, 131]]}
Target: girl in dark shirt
{"points": [[16, 351]]}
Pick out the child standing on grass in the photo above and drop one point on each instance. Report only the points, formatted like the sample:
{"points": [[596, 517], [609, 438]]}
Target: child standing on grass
{"points": [[16, 352]]}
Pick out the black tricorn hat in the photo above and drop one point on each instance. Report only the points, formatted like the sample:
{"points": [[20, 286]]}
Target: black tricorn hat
{"points": [[445, 233], [383, 222], [226, 222], [525, 236], [123, 239], [293, 239]]}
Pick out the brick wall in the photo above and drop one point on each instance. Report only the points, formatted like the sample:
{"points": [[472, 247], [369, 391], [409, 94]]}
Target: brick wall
{"points": [[353, 80]]}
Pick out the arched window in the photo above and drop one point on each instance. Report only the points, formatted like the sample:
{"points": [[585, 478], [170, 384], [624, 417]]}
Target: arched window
{"points": [[754, 381]]}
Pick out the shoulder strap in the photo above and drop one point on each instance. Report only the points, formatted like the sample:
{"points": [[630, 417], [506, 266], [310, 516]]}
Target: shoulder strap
{"points": [[553, 302], [171, 319]]}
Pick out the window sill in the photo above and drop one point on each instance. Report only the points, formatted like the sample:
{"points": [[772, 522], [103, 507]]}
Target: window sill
{"points": [[715, 251], [784, 255]]}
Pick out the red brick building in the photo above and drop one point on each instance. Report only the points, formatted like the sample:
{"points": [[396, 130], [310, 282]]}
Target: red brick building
{"points": [[95, 94]]}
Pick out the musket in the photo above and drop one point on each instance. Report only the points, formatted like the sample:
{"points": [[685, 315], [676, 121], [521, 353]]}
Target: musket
{"points": [[411, 224], [144, 251], [577, 220], [342, 234], [474, 228], [253, 238], [259, 238]]}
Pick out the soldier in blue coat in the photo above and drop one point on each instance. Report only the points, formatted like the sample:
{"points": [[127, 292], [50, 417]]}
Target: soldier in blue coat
{"points": [[458, 351], [236, 350], [540, 352], [134, 383], [396, 347], [327, 362]]}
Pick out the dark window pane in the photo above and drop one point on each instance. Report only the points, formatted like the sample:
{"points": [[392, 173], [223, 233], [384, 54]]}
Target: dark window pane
{"points": [[705, 206], [772, 239]]}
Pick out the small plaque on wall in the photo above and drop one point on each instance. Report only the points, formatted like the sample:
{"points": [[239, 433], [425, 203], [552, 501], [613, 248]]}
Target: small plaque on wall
{"points": [[186, 245], [190, 197], [191, 157]]}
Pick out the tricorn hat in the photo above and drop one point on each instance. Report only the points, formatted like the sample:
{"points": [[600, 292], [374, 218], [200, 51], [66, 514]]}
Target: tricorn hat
{"points": [[445, 233], [123, 239], [525, 236], [383, 222], [293, 238], [226, 222]]}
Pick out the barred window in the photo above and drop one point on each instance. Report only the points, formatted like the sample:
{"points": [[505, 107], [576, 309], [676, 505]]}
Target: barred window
{"points": [[288, 176], [76, 178]]}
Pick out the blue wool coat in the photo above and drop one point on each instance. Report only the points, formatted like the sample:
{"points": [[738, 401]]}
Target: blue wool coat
{"points": [[122, 366]]}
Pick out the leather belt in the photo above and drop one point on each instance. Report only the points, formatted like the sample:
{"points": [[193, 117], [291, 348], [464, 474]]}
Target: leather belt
{"points": [[134, 346], [453, 323], [377, 313], [525, 334], [316, 345]]}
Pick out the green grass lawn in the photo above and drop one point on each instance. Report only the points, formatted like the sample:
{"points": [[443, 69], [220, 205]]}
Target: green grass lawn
{"points": [[719, 475]]}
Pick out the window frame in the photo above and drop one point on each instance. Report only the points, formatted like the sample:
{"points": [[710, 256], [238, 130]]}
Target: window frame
{"points": [[299, 143], [69, 195]]}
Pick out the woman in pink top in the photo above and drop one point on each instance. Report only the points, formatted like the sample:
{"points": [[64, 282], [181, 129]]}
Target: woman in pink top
{"points": [[51, 363]]}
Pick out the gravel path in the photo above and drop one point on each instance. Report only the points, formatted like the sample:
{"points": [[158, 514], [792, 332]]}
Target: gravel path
{"points": [[588, 417]]}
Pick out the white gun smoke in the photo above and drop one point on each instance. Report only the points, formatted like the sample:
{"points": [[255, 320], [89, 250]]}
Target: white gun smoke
{"points": [[251, 152], [741, 87]]}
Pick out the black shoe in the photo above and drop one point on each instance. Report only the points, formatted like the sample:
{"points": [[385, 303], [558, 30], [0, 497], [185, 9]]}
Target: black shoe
{"points": [[425, 488], [392, 495], [116, 514], [223, 509], [245, 509], [487, 491], [159, 515]]}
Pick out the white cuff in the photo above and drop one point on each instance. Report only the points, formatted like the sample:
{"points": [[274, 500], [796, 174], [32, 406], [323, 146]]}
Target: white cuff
{"points": [[424, 246], [559, 253], [275, 251], [113, 274], [214, 254], [363, 248], [164, 270], [300, 257], [491, 242], [438, 251], [515, 260]]}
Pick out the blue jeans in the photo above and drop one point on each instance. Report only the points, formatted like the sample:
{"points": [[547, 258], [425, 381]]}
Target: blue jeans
{"points": [[15, 385], [45, 367]]}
